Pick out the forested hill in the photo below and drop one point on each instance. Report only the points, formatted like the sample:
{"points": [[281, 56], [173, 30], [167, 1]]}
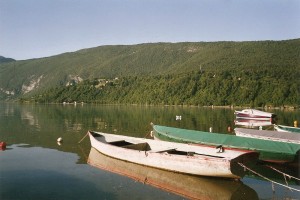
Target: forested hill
{"points": [[261, 66], [5, 60]]}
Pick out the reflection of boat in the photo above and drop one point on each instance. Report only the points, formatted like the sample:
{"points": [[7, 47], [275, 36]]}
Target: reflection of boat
{"points": [[284, 174], [254, 114], [268, 135], [271, 151], [183, 158], [252, 122], [283, 128], [192, 187]]}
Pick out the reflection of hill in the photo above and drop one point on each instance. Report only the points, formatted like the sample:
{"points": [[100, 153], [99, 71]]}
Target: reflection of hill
{"points": [[29, 117], [193, 187], [41, 125], [52, 121]]}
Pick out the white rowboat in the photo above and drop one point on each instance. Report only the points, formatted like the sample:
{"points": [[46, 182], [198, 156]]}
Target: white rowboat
{"points": [[176, 157], [187, 186], [286, 137], [254, 114]]}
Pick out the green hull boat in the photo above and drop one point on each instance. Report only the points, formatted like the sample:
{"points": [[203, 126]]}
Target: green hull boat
{"points": [[283, 128], [270, 151]]}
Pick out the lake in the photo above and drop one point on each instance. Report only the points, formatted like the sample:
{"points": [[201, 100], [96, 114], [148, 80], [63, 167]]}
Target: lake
{"points": [[35, 166]]}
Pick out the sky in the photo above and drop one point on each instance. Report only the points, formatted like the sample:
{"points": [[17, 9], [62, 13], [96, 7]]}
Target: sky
{"points": [[42, 28]]}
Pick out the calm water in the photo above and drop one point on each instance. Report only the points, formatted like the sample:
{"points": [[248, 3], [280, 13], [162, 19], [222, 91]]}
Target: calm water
{"points": [[35, 166]]}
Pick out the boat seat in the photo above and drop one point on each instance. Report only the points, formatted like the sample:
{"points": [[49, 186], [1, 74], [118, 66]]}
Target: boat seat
{"points": [[140, 146], [120, 143]]}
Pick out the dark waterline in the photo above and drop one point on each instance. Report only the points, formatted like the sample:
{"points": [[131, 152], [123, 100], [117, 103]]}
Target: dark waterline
{"points": [[43, 169]]}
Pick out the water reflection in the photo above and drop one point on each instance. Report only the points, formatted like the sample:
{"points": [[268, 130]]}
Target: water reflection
{"points": [[192, 187], [30, 119], [250, 123], [41, 125], [39, 173], [283, 174]]}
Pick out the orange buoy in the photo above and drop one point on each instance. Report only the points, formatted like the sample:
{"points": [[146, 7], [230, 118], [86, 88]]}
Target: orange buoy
{"points": [[2, 145]]}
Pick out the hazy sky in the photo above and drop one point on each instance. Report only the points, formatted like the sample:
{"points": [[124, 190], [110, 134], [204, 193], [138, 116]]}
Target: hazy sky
{"points": [[40, 28]]}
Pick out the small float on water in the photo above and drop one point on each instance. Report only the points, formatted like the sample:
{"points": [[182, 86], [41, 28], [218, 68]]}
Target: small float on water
{"points": [[2, 146]]}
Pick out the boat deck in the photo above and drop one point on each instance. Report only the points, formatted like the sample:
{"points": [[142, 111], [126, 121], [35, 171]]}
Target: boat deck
{"points": [[269, 135]]}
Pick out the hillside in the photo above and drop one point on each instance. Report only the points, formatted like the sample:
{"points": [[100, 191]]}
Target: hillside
{"points": [[30, 77], [5, 60]]}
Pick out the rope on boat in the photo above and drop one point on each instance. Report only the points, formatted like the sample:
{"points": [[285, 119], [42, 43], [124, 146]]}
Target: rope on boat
{"points": [[83, 137], [146, 136], [273, 182], [284, 174]]}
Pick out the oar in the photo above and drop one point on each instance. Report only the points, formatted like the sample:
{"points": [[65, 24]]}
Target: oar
{"points": [[83, 137]]}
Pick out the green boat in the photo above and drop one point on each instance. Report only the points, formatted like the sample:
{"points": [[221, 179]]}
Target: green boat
{"points": [[270, 151], [283, 128]]}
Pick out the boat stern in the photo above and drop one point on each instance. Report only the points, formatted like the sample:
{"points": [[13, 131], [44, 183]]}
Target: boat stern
{"points": [[249, 160]]}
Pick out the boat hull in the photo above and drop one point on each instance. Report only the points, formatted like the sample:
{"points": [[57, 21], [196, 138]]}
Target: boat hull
{"points": [[282, 128], [254, 114], [202, 187], [270, 151], [194, 164], [268, 135]]}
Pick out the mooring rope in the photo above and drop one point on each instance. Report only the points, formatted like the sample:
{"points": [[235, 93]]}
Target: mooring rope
{"points": [[289, 176], [273, 182]]}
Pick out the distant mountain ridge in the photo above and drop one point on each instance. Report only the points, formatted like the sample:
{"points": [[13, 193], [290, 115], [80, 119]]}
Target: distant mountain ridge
{"points": [[29, 77], [5, 60]]}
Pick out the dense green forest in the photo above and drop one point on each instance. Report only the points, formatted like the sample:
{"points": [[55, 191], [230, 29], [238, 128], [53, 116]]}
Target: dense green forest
{"points": [[199, 88], [255, 73]]}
